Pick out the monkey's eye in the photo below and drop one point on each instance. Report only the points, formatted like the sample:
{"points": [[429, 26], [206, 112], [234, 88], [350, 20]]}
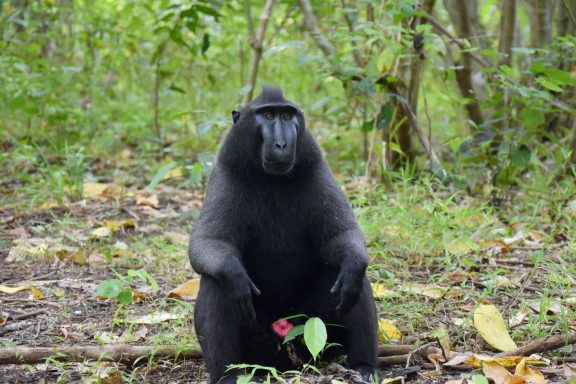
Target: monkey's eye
{"points": [[268, 116], [286, 116]]}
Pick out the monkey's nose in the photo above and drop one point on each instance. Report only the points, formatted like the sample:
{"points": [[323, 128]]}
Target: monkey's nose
{"points": [[280, 144]]}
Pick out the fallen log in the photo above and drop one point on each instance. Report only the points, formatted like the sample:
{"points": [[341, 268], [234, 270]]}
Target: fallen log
{"points": [[129, 353], [122, 353]]}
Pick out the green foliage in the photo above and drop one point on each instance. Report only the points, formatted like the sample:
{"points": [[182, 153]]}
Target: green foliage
{"points": [[159, 78], [121, 288]]}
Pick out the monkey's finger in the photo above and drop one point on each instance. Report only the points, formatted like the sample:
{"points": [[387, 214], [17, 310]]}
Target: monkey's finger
{"points": [[337, 285], [254, 288]]}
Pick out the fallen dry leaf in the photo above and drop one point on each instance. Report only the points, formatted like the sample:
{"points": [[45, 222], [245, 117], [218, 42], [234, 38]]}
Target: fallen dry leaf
{"points": [[92, 190], [476, 361], [499, 374], [149, 201], [380, 292], [187, 291], [36, 293], [387, 331], [491, 326], [435, 291], [530, 375]]}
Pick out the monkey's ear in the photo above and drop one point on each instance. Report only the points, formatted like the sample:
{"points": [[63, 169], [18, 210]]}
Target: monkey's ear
{"points": [[235, 116]]}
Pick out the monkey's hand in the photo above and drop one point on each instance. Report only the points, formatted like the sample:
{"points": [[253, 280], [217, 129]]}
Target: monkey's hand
{"points": [[348, 287], [240, 289]]}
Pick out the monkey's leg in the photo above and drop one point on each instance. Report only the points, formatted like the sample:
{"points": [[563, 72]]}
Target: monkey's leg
{"points": [[217, 330], [359, 332], [362, 337]]}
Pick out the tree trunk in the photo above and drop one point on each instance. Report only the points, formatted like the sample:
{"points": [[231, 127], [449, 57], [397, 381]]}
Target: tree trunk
{"points": [[540, 12], [507, 29], [465, 18], [411, 70]]}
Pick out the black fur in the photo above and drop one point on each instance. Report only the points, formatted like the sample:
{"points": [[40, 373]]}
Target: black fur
{"points": [[274, 245]]}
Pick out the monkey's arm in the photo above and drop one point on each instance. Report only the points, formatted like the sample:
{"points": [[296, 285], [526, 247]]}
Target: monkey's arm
{"points": [[220, 260], [214, 251]]}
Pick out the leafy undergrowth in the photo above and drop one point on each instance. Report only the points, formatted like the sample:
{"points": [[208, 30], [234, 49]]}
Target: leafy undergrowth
{"points": [[440, 262]]}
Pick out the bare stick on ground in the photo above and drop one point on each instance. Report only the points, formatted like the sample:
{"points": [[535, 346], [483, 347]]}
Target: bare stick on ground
{"points": [[542, 345], [122, 353]]}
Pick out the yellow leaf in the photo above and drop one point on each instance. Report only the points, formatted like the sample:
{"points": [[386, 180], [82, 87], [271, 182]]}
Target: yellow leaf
{"points": [[116, 225], [92, 190], [434, 291], [36, 293], [387, 331], [531, 375], [188, 290], [491, 326], [380, 292], [476, 361], [6, 289]]}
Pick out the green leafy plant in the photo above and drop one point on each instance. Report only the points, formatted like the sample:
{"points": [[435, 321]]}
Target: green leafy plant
{"points": [[121, 288]]}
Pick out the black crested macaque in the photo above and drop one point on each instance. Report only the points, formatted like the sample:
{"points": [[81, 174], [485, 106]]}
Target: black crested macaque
{"points": [[277, 237]]}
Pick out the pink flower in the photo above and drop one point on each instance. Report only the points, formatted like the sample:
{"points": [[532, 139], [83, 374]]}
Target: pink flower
{"points": [[282, 327]]}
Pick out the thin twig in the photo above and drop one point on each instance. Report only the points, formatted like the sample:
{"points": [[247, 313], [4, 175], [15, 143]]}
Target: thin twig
{"points": [[23, 316]]}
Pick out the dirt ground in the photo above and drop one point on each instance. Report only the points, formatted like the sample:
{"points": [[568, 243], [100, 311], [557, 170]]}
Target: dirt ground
{"points": [[70, 314]]}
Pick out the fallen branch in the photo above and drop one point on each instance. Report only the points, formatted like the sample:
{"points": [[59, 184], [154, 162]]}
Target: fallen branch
{"points": [[128, 353], [542, 345], [23, 316], [122, 353]]}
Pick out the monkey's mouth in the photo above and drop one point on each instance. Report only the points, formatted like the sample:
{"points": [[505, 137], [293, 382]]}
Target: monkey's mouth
{"points": [[277, 167]]}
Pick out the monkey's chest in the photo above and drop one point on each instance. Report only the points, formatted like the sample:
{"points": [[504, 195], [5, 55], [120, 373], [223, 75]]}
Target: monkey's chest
{"points": [[280, 267]]}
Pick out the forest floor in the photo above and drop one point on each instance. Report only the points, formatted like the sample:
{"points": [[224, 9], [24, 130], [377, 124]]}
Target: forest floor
{"points": [[435, 259]]}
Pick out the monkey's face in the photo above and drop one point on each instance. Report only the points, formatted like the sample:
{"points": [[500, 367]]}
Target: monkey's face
{"points": [[278, 127]]}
